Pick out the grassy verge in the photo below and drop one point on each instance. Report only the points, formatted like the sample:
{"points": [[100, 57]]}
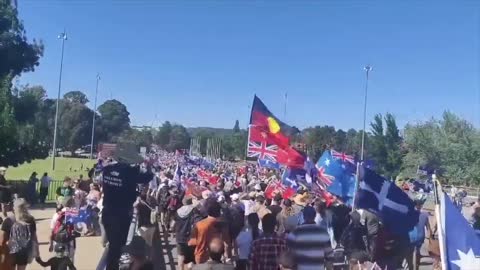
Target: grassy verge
{"points": [[71, 167]]}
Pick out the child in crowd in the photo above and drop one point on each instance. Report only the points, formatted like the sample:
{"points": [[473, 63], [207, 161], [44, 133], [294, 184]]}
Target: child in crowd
{"points": [[61, 261]]}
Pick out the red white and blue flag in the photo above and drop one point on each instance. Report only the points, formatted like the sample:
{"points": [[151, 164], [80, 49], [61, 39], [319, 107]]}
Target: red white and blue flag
{"points": [[262, 150], [336, 171]]}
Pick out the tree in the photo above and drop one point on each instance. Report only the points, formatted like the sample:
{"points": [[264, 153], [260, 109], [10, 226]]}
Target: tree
{"points": [[318, 139], [74, 125], [236, 128], [393, 141], [179, 138], [340, 140], [114, 119], [76, 97], [17, 55], [378, 151], [139, 138], [162, 138], [450, 146]]}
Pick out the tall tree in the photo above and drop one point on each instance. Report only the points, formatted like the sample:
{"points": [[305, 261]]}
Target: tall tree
{"points": [[17, 55], [76, 97], [393, 142], [236, 128], [179, 138], [74, 125], [162, 138], [378, 150], [114, 119]]}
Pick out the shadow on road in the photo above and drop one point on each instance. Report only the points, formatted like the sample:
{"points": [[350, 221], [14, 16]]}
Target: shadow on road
{"points": [[165, 256]]}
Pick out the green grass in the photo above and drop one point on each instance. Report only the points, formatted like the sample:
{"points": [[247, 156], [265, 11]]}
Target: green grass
{"points": [[62, 168]]}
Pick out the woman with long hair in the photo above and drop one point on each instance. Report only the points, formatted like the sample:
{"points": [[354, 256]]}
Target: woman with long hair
{"points": [[244, 240], [23, 241]]}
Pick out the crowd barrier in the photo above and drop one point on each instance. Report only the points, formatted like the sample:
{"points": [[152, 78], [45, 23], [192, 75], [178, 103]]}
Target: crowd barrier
{"points": [[20, 187]]}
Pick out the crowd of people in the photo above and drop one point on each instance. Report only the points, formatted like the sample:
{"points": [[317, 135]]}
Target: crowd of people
{"points": [[222, 215]]}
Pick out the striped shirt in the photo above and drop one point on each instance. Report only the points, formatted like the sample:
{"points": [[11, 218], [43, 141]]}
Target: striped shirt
{"points": [[309, 244]]}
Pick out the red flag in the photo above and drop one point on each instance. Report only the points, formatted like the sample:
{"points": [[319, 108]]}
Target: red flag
{"points": [[203, 174], [213, 180], [259, 133], [193, 189], [291, 158], [275, 187]]}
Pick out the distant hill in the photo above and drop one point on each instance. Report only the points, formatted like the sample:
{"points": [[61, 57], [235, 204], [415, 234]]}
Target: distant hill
{"points": [[195, 131]]}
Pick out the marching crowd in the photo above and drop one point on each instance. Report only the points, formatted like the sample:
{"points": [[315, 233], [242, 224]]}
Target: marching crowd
{"points": [[224, 219]]}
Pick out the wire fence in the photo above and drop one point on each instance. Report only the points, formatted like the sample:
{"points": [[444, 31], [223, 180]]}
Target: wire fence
{"points": [[20, 187]]}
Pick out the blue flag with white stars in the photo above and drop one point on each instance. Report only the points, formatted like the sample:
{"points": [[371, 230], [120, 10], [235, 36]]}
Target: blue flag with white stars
{"points": [[462, 243], [336, 171]]}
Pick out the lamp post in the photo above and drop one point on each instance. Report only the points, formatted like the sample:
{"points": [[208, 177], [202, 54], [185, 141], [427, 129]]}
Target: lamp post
{"points": [[367, 69], [94, 115], [63, 37]]}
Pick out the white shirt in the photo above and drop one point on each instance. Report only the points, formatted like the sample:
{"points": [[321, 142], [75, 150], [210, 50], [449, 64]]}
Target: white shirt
{"points": [[249, 204]]}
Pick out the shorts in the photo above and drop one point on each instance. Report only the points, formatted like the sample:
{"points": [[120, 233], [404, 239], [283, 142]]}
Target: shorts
{"points": [[183, 249], [20, 258]]}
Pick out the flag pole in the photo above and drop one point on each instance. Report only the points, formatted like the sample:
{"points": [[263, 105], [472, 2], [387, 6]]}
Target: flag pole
{"points": [[441, 237], [367, 69], [354, 203], [285, 108]]}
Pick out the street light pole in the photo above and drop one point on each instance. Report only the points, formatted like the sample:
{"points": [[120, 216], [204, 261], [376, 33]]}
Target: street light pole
{"points": [[367, 69], [63, 37], [94, 114]]}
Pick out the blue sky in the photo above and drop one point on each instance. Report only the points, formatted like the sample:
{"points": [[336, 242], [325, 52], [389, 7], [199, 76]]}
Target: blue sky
{"points": [[199, 63]]}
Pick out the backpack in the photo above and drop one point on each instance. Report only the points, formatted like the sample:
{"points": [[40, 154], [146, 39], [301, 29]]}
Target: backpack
{"points": [[62, 231], [184, 227], [20, 238]]}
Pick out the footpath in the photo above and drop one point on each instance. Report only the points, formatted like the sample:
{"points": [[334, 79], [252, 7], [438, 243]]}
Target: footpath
{"points": [[89, 249]]}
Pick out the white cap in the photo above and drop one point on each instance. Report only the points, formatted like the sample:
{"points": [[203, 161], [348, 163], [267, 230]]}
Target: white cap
{"points": [[234, 197], [2, 169], [258, 187]]}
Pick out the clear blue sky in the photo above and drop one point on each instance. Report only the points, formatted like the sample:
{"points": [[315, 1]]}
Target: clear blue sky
{"points": [[199, 63]]}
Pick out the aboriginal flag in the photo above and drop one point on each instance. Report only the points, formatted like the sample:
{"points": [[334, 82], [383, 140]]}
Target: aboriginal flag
{"points": [[264, 126]]}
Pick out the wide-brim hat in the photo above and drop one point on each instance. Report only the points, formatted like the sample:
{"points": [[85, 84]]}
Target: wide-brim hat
{"points": [[300, 200], [127, 153]]}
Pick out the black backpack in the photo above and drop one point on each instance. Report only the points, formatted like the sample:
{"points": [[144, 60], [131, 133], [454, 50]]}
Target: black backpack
{"points": [[20, 238]]}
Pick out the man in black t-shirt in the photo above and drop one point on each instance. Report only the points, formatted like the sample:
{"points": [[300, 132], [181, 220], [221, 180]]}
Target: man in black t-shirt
{"points": [[119, 181]]}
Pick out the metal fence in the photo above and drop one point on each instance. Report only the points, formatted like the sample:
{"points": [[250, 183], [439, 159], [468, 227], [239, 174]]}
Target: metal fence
{"points": [[20, 187]]}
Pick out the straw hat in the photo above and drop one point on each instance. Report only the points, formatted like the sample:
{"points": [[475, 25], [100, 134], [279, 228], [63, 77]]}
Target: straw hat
{"points": [[301, 199]]}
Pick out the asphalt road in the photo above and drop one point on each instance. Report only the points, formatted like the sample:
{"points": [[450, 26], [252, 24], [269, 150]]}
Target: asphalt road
{"points": [[89, 249]]}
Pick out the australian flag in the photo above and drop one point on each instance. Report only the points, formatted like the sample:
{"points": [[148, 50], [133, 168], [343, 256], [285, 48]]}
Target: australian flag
{"points": [[462, 244], [384, 198], [337, 172], [266, 163]]}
